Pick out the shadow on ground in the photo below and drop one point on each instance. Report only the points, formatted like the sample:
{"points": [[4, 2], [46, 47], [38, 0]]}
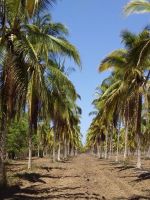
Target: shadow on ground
{"points": [[52, 168], [143, 176], [135, 197], [38, 178], [32, 193]]}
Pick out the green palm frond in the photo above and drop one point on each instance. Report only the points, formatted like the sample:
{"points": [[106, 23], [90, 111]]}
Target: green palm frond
{"points": [[116, 59], [128, 38], [36, 6], [60, 79], [48, 43], [137, 6]]}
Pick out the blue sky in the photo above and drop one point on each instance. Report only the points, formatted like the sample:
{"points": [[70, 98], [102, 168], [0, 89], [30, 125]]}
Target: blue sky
{"points": [[94, 27]]}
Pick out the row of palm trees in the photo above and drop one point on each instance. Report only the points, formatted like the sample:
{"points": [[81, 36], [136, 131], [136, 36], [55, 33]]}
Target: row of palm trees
{"points": [[123, 103], [33, 78]]}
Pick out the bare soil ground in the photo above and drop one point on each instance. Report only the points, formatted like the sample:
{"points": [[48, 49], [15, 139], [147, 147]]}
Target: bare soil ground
{"points": [[82, 177]]}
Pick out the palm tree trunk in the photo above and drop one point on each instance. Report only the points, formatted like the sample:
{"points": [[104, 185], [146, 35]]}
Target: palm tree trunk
{"points": [[138, 165], [148, 152], [93, 150], [33, 114], [30, 148], [3, 177], [54, 145], [147, 113], [46, 151], [72, 150], [68, 148], [38, 154], [118, 141], [58, 153], [106, 146], [54, 154], [3, 134], [110, 147], [76, 151], [126, 142], [65, 148], [43, 152], [98, 151], [138, 130]]}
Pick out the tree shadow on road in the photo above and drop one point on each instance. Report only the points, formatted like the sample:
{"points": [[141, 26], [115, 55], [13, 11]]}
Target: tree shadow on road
{"points": [[134, 197], [52, 168], [143, 176], [31, 177], [33, 193], [124, 167]]}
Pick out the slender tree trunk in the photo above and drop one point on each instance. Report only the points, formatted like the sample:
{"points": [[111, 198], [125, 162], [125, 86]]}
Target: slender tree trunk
{"points": [[76, 151], [147, 115], [138, 165], [54, 154], [93, 150], [106, 146], [43, 152], [54, 146], [68, 148], [72, 151], [101, 152], [30, 148], [138, 130], [38, 151], [59, 150], [110, 147], [46, 151], [3, 177], [118, 141], [148, 152], [102, 149], [65, 148], [126, 141], [33, 115], [3, 128], [98, 151]]}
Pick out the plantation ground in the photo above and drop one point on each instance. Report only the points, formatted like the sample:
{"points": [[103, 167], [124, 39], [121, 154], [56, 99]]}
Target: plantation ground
{"points": [[82, 177]]}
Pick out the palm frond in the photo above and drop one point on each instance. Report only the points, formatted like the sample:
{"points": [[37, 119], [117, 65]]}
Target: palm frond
{"points": [[137, 6], [116, 59]]}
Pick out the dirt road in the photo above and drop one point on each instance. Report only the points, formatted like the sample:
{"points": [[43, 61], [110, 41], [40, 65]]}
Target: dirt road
{"points": [[83, 177]]}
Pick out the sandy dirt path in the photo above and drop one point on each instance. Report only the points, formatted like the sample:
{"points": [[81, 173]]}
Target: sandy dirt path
{"points": [[82, 177]]}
